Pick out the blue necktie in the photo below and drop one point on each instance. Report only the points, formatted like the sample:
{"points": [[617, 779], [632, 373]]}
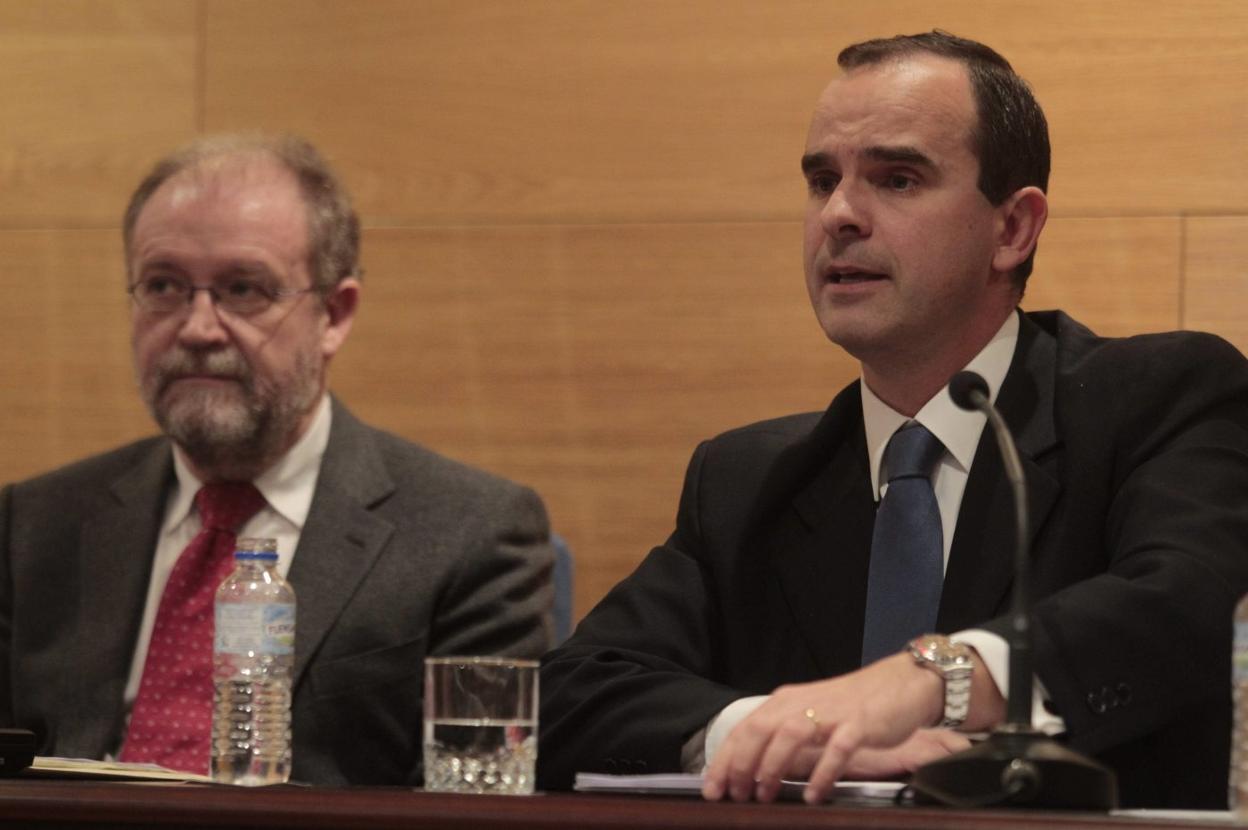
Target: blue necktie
{"points": [[907, 555]]}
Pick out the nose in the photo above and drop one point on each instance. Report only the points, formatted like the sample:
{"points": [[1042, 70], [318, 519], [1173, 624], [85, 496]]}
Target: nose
{"points": [[845, 213], [202, 324]]}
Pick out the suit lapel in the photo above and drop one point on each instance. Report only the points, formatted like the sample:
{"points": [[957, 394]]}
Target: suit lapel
{"points": [[342, 537], [821, 549], [981, 559], [115, 551]]}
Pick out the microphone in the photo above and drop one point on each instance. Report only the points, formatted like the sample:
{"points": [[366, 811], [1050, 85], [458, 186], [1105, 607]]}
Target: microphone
{"points": [[969, 391], [1016, 765]]}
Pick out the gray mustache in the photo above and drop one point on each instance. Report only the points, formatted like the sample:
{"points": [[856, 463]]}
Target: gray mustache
{"points": [[183, 363]]}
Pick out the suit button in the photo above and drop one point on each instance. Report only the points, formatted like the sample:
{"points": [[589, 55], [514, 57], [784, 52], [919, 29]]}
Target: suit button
{"points": [[1096, 703], [1123, 693], [626, 766], [610, 765]]}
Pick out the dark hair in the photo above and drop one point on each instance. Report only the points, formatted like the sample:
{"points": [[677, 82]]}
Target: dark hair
{"points": [[1011, 139], [333, 227]]}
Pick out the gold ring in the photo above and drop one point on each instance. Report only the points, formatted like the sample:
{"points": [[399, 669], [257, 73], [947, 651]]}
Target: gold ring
{"points": [[810, 716]]}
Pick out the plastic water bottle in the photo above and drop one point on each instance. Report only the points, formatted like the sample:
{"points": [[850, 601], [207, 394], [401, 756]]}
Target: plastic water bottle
{"points": [[1239, 732], [253, 660]]}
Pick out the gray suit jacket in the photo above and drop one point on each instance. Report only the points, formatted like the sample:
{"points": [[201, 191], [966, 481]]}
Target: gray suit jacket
{"points": [[405, 553]]}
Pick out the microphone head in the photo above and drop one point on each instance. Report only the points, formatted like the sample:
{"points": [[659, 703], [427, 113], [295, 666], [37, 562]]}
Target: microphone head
{"points": [[968, 390]]}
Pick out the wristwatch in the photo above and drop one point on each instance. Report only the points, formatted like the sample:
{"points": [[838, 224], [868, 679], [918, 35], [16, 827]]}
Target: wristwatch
{"points": [[953, 662]]}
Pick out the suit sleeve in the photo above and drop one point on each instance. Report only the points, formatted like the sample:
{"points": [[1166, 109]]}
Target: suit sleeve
{"points": [[629, 688], [500, 596], [1139, 648]]}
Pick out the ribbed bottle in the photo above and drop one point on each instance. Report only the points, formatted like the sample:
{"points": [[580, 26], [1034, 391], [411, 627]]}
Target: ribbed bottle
{"points": [[253, 662]]}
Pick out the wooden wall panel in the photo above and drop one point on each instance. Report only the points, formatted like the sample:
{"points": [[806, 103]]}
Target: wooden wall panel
{"points": [[644, 110], [1147, 102], [1215, 296], [1119, 276], [66, 375], [498, 111], [92, 91]]}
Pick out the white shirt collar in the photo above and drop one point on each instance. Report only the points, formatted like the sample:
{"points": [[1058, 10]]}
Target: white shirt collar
{"points": [[287, 486], [956, 428]]}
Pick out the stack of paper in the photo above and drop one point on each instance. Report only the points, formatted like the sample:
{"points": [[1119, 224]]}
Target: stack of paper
{"points": [[689, 784]]}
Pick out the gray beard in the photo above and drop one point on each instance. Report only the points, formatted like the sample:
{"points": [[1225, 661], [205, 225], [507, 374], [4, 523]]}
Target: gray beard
{"points": [[234, 432]]}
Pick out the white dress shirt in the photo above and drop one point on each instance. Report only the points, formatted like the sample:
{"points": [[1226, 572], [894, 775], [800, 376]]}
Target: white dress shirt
{"points": [[959, 431], [287, 488]]}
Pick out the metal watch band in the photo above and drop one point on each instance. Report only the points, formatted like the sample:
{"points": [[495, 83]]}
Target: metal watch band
{"points": [[953, 662], [957, 696]]}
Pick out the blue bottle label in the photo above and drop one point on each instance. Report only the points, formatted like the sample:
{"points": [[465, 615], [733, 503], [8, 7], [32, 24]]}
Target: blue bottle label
{"points": [[261, 629]]}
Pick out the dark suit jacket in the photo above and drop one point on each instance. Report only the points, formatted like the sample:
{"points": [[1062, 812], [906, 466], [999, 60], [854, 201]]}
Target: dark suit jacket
{"points": [[1136, 454], [405, 553]]}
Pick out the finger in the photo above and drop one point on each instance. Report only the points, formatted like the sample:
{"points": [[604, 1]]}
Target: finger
{"points": [[732, 769], [803, 762], [954, 741], [842, 744], [925, 748], [713, 781], [869, 762], [793, 734], [715, 776]]}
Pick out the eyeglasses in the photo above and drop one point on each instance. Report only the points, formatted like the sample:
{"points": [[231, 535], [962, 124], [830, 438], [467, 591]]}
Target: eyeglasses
{"points": [[239, 296]]}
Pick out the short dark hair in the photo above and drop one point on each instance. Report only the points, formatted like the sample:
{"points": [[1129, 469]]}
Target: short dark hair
{"points": [[333, 227], [1011, 139]]}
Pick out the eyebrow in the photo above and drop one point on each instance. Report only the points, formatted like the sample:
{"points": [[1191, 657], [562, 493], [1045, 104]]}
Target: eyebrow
{"points": [[246, 269], [895, 155], [900, 155], [158, 264], [814, 161]]}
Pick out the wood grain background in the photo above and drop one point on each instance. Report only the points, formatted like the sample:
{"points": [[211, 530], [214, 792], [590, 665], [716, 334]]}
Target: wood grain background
{"points": [[582, 216]]}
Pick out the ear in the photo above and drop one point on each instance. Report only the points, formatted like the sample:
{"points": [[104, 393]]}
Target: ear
{"points": [[340, 305], [1020, 218]]}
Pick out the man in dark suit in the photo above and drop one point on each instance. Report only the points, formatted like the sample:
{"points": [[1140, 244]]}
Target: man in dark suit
{"points": [[242, 263], [751, 639]]}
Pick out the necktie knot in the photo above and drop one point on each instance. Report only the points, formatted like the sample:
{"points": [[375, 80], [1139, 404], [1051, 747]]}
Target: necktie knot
{"points": [[911, 452], [226, 505]]}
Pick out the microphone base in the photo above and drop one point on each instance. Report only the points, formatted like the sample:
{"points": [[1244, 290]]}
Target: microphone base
{"points": [[1017, 769]]}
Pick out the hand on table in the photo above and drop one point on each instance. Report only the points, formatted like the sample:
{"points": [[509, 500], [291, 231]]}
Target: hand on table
{"points": [[861, 724]]}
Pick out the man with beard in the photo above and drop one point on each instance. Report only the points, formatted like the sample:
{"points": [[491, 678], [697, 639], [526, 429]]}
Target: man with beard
{"points": [[838, 581], [241, 257]]}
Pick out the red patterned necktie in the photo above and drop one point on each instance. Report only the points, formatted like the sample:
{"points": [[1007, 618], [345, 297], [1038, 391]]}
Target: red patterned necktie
{"points": [[171, 721]]}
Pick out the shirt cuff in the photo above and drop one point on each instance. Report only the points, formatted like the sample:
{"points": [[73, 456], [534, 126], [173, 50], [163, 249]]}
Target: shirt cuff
{"points": [[701, 748], [994, 652]]}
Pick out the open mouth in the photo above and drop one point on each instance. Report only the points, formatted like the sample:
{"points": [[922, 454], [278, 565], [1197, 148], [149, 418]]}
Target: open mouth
{"points": [[853, 277]]}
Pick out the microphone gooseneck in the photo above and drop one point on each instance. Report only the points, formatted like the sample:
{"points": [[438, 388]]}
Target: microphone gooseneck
{"points": [[970, 391], [1016, 765]]}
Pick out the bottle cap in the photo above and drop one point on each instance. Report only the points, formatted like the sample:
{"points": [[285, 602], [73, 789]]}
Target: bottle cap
{"points": [[256, 548]]}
